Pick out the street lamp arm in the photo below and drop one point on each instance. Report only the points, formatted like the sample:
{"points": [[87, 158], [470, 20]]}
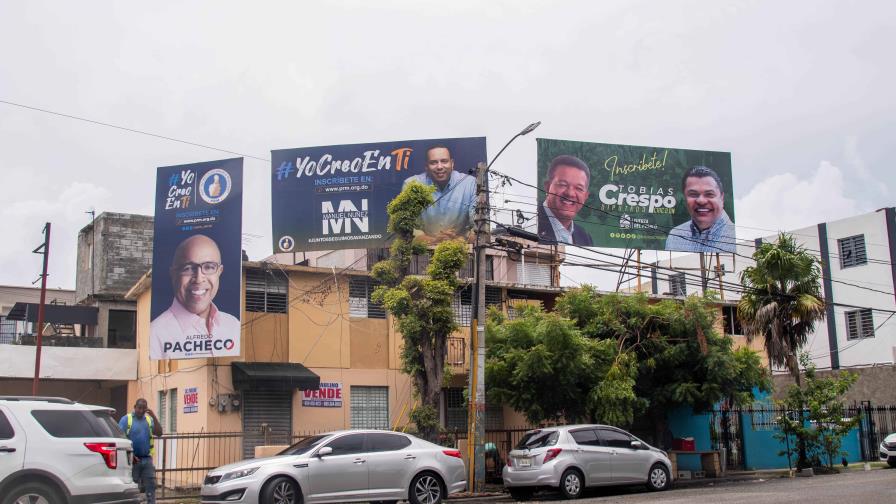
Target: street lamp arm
{"points": [[528, 129]]}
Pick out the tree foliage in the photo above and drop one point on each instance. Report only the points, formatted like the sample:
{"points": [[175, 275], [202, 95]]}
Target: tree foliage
{"points": [[820, 422], [782, 301], [612, 357], [420, 305]]}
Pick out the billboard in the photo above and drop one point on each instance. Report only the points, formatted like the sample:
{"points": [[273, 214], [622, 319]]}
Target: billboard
{"points": [[196, 261], [627, 196], [335, 197]]}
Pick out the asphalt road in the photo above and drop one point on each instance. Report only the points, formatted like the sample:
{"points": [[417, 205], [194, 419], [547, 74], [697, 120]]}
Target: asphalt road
{"points": [[856, 486]]}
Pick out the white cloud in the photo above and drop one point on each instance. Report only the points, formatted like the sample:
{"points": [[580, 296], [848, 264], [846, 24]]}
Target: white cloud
{"points": [[786, 202]]}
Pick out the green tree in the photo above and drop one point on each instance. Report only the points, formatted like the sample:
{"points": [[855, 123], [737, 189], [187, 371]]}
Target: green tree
{"points": [[822, 399], [782, 301], [627, 356], [420, 304]]}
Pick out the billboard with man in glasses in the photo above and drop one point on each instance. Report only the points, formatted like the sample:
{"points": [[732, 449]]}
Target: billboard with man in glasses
{"points": [[197, 263]]}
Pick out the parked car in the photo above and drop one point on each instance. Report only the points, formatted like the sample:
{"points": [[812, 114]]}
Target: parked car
{"points": [[888, 450], [343, 466], [573, 457], [53, 450]]}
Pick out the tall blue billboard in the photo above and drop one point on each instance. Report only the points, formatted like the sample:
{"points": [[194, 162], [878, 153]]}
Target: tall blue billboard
{"points": [[197, 261], [335, 197]]}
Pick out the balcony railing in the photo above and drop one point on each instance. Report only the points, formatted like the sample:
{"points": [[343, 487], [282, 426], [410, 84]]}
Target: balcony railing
{"points": [[59, 340]]}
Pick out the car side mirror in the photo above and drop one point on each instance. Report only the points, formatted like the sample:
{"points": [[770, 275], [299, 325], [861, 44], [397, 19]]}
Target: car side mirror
{"points": [[326, 450], [638, 445]]}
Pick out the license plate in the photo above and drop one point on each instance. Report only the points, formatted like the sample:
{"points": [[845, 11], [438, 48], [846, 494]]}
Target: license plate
{"points": [[525, 462]]}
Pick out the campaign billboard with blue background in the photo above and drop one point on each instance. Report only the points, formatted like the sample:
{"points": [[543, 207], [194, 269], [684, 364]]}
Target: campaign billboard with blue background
{"points": [[197, 261], [335, 197]]}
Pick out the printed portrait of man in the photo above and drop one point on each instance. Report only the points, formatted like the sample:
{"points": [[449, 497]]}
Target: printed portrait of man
{"points": [[709, 228], [566, 190], [451, 216], [193, 326]]}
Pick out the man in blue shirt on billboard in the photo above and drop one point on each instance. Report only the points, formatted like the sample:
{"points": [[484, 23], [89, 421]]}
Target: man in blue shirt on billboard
{"points": [[709, 228], [451, 216]]}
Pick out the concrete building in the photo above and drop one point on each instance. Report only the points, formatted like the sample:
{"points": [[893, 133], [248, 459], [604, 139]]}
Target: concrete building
{"points": [[858, 262], [89, 336]]}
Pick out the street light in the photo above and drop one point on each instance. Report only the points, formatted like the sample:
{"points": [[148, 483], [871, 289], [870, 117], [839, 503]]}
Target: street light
{"points": [[475, 424]]}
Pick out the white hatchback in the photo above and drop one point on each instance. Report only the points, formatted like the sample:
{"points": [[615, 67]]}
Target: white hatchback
{"points": [[53, 450]]}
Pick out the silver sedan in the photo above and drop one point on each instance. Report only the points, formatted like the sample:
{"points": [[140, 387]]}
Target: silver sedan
{"points": [[343, 466], [569, 458]]}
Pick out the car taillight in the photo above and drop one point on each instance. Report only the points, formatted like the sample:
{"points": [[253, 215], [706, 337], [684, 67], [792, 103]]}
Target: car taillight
{"points": [[108, 451], [551, 454], [452, 453]]}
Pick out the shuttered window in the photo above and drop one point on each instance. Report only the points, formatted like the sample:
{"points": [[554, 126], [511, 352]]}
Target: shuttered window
{"points": [[266, 291], [859, 324], [370, 407], [852, 251], [359, 304], [533, 273]]}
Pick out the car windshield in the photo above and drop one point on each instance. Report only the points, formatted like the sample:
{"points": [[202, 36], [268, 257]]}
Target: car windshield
{"points": [[538, 439], [304, 446]]}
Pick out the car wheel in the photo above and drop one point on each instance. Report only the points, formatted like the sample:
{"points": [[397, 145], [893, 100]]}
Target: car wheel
{"points": [[892, 463], [280, 490], [658, 478], [521, 493], [571, 484], [33, 493], [426, 488]]}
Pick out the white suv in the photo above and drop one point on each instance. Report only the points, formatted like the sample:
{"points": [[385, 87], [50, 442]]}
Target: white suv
{"points": [[55, 451]]}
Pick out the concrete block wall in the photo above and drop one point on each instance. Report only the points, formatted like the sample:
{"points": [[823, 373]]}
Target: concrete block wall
{"points": [[122, 252]]}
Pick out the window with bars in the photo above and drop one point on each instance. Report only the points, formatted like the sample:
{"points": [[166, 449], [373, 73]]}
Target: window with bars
{"points": [[859, 324], [852, 251], [266, 291], [677, 284], [370, 407], [359, 304], [463, 303], [7, 330], [730, 321], [456, 412]]}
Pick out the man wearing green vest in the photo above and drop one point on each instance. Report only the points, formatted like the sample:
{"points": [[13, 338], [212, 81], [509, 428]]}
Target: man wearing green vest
{"points": [[140, 427]]}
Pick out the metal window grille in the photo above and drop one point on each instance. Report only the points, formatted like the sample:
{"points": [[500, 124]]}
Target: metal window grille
{"points": [[7, 330], [859, 324], [376, 255], [370, 407], [359, 304], [852, 251], [455, 409], [266, 291], [463, 306], [677, 284]]}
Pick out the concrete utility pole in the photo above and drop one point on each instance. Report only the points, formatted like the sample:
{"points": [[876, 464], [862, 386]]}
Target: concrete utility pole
{"points": [[476, 413], [40, 308]]}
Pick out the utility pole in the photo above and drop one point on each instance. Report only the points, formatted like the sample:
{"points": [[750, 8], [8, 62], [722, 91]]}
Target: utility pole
{"points": [[43, 248], [476, 412]]}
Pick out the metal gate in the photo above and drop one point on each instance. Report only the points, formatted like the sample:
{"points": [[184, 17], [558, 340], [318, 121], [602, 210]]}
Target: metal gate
{"points": [[267, 419], [726, 435]]}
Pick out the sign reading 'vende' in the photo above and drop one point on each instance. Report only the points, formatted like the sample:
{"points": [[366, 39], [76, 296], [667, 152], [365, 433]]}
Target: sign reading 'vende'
{"points": [[329, 395]]}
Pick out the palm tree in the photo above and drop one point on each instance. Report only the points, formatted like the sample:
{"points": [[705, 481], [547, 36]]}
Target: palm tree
{"points": [[782, 301]]}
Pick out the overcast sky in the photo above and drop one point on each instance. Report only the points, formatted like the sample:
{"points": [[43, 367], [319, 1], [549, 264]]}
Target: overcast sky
{"points": [[801, 94]]}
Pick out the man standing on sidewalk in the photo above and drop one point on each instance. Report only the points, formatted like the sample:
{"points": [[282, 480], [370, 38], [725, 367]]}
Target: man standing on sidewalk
{"points": [[140, 427]]}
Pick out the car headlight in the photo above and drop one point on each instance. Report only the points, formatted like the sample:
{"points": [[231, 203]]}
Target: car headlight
{"points": [[238, 474]]}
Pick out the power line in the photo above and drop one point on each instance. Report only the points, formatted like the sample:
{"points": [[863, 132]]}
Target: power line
{"points": [[132, 130]]}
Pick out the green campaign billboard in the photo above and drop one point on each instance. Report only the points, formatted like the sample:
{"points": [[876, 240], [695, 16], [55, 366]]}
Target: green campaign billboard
{"points": [[629, 196]]}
